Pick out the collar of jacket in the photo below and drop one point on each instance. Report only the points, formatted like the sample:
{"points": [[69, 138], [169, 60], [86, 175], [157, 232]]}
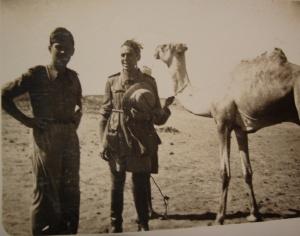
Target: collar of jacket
{"points": [[130, 77]]}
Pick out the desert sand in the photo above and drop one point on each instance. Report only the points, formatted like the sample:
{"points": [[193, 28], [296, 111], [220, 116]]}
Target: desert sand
{"points": [[188, 174]]}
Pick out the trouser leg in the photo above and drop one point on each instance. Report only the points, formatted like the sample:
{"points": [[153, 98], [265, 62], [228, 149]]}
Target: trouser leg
{"points": [[117, 198], [149, 196], [46, 166], [44, 218], [70, 192], [140, 194]]}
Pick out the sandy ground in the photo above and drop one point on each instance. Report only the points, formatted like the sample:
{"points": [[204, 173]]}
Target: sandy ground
{"points": [[189, 175]]}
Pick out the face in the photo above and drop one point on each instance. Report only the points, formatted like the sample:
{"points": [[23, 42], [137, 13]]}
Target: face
{"points": [[129, 58], [61, 53]]}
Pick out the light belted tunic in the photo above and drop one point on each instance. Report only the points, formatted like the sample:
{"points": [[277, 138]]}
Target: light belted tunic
{"points": [[122, 147]]}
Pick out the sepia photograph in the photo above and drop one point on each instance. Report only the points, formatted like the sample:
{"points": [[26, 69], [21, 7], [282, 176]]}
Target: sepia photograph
{"points": [[138, 117]]}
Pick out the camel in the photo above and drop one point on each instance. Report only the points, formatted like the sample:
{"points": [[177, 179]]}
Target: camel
{"points": [[262, 92]]}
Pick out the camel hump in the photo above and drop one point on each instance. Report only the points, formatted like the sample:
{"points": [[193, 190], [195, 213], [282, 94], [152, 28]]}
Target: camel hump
{"points": [[276, 57], [267, 67], [262, 81]]}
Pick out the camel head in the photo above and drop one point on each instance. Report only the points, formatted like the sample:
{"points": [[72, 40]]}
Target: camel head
{"points": [[166, 52]]}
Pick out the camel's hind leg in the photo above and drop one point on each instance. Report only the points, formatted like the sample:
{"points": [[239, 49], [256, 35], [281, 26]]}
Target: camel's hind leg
{"points": [[242, 140], [224, 139]]}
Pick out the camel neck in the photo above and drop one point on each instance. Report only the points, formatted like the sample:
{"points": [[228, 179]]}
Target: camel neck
{"points": [[183, 89], [179, 74]]}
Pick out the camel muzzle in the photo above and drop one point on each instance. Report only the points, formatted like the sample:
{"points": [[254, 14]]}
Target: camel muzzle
{"points": [[156, 55]]}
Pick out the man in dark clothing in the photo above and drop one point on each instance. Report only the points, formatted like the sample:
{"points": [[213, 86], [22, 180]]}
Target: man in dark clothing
{"points": [[55, 96], [129, 141]]}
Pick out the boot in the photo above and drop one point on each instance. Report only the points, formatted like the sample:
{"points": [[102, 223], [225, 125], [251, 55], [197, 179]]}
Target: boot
{"points": [[116, 227], [117, 198], [140, 197], [143, 227]]}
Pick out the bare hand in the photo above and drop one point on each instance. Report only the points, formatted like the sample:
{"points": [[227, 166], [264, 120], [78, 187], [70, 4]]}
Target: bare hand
{"points": [[104, 154], [77, 117], [169, 101]]}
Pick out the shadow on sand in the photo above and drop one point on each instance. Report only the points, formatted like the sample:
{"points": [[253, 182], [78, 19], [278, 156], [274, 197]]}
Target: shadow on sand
{"points": [[212, 216]]}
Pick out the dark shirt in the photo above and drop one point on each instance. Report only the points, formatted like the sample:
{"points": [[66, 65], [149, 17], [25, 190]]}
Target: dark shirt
{"points": [[50, 98]]}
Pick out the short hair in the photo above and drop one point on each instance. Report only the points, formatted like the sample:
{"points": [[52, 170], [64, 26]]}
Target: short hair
{"points": [[61, 34], [136, 46]]}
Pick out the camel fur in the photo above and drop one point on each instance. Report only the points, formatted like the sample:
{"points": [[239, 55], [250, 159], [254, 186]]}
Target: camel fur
{"points": [[262, 92]]}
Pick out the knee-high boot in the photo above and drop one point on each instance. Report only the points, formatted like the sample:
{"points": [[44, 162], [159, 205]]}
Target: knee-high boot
{"points": [[117, 198], [140, 195]]}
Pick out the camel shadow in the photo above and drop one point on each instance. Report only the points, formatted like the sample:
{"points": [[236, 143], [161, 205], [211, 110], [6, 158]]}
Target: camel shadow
{"points": [[192, 217], [293, 214], [212, 216]]}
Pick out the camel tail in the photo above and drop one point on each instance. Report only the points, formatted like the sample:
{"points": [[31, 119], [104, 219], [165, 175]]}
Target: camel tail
{"points": [[297, 96]]}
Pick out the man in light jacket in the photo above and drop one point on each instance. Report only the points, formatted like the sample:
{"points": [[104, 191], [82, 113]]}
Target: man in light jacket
{"points": [[129, 141]]}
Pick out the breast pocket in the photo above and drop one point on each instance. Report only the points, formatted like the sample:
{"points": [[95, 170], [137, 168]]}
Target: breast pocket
{"points": [[114, 120], [117, 95]]}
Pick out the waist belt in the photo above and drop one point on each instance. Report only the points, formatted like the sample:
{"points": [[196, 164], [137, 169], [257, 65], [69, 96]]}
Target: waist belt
{"points": [[117, 110], [58, 121]]}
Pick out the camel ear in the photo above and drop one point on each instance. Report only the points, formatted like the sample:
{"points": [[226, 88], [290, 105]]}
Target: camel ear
{"points": [[180, 48]]}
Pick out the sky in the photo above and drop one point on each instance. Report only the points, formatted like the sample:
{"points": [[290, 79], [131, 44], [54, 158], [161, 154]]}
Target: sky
{"points": [[218, 33]]}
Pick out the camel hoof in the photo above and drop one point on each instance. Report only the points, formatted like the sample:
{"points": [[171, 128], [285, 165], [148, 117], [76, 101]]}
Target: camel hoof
{"points": [[253, 218], [219, 220]]}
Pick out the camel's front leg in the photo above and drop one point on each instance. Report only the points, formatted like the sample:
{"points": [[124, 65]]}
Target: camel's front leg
{"points": [[242, 140], [224, 139]]}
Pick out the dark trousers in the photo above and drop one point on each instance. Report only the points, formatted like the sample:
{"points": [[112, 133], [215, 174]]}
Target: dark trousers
{"points": [[56, 196], [140, 183]]}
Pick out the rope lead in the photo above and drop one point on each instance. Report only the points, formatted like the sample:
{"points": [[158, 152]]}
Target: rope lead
{"points": [[165, 199]]}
